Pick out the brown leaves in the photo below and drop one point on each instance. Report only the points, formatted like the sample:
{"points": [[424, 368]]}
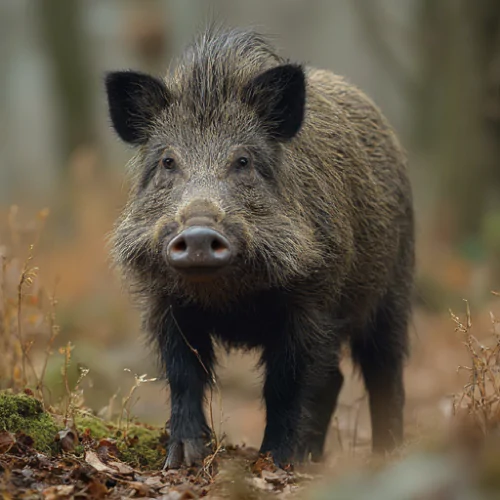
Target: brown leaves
{"points": [[58, 492], [101, 475], [7, 441], [68, 439], [269, 477], [112, 467], [264, 463]]}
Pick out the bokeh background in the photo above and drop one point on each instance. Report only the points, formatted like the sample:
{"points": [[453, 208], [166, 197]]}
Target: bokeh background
{"points": [[432, 66]]}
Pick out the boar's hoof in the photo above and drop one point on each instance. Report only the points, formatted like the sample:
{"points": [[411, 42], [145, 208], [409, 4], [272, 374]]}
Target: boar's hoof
{"points": [[186, 452]]}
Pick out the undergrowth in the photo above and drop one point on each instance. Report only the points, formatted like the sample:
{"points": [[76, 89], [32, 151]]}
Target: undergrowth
{"points": [[22, 414], [479, 402], [28, 319]]}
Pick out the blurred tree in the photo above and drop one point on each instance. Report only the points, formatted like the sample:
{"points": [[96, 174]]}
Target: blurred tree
{"points": [[459, 41], [64, 38], [455, 91], [148, 34], [385, 36]]}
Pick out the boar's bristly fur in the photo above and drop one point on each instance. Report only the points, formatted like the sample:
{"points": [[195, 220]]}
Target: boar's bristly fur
{"points": [[269, 208]]}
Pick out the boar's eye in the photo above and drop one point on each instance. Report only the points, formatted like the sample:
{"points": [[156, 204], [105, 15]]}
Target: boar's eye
{"points": [[168, 163], [242, 162]]}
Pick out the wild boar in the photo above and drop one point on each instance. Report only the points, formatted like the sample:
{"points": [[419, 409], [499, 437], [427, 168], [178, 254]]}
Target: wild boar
{"points": [[270, 208]]}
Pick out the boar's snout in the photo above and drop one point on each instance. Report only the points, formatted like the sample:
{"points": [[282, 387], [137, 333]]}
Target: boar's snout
{"points": [[199, 250]]}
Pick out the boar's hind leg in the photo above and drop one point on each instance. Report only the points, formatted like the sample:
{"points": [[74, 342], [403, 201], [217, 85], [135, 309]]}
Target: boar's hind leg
{"points": [[188, 374], [380, 352], [321, 405]]}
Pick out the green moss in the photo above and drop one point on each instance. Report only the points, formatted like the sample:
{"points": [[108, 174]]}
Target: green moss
{"points": [[142, 446], [97, 427], [20, 413]]}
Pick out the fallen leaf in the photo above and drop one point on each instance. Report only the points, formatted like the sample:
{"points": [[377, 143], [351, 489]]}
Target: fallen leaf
{"points": [[274, 477], [59, 492], [170, 494], [86, 438], [121, 468], [140, 488], [7, 441], [68, 439], [264, 462], [97, 490], [92, 459], [154, 482], [260, 483], [25, 440], [107, 448]]}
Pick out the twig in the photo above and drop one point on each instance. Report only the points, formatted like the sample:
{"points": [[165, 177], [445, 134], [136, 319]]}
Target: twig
{"points": [[338, 433], [67, 357], [356, 421], [27, 278], [54, 332], [213, 379], [3, 326], [126, 403], [482, 392]]}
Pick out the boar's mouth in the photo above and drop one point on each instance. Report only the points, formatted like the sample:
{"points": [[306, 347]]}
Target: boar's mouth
{"points": [[199, 253], [200, 274]]}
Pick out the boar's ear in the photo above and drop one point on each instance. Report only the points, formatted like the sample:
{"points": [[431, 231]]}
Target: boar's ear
{"points": [[279, 96], [134, 100]]}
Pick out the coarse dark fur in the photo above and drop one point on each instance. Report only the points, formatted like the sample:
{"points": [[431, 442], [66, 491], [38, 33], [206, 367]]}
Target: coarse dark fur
{"points": [[320, 222]]}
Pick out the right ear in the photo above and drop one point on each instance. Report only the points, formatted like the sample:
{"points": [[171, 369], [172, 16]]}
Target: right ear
{"points": [[135, 100]]}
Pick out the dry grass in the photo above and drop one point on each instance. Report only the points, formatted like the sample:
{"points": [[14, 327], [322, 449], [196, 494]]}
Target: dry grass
{"points": [[479, 402], [23, 315]]}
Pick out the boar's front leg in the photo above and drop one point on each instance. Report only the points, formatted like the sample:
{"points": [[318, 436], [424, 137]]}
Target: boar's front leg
{"points": [[188, 358], [296, 361]]}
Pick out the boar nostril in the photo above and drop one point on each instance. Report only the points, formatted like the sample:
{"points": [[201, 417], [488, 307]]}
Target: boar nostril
{"points": [[218, 246], [198, 248], [179, 246]]}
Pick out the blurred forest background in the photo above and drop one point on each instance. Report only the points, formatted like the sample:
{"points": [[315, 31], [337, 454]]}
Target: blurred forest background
{"points": [[433, 66]]}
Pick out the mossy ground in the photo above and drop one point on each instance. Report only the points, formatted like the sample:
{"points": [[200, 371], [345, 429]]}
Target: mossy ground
{"points": [[20, 413], [138, 445]]}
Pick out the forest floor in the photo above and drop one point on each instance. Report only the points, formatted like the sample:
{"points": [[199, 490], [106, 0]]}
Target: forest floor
{"points": [[94, 464]]}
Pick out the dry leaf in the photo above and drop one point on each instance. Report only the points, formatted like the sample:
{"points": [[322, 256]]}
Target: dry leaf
{"points": [[107, 449], [260, 483], [274, 477], [121, 468], [140, 488], [264, 462], [7, 441], [68, 439], [154, 482], [59, 492], [92, 459], [114, 467]]}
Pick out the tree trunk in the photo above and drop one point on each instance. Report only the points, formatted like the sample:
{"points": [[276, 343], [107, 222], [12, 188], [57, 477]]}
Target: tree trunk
{"points": [[459, 40], [65, 44]]}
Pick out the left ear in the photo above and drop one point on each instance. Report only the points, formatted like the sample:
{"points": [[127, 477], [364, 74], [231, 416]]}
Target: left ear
{"points": [[279, 96], [135, 100]]}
